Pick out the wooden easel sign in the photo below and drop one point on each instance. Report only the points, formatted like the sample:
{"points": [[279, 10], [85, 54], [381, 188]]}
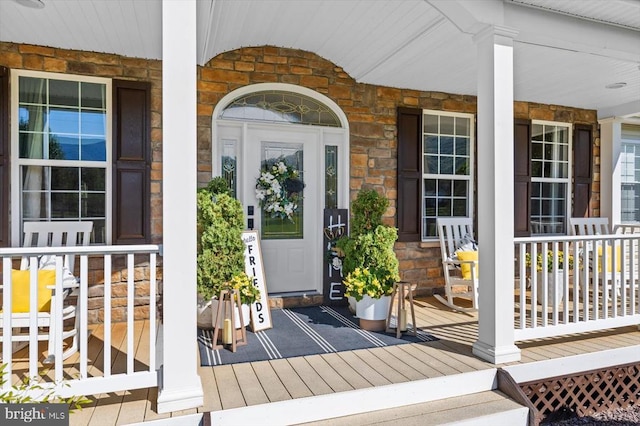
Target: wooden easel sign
{"points": [[260, 313]]}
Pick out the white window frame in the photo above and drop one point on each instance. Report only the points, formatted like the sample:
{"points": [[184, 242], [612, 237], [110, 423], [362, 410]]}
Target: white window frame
{"points": [[469, 178], [567, 181], [17, 162], [624, 142]]}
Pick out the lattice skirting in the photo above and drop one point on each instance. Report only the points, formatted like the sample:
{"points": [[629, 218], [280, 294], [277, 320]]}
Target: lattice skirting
{"points": [[585, 393]]}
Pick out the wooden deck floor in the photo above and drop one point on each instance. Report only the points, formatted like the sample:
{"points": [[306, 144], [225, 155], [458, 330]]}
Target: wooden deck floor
{"points": [[230, 386]]}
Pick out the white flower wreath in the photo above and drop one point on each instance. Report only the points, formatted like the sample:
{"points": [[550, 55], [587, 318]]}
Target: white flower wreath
{"points": [[278, 190]]}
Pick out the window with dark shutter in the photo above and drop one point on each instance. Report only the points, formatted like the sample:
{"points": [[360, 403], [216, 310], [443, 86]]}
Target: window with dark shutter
{"points": [[4, 157], [131, 162], [409, 173], [582, 170], [522, 178]]}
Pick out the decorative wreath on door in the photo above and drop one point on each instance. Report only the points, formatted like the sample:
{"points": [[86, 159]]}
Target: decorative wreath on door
{"points": [[279, 189]]}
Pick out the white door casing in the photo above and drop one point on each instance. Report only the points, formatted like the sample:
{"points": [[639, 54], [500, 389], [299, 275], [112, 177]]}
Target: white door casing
{"points": [[290, 265]]}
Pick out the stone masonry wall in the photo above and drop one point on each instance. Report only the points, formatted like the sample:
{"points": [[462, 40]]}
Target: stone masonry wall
{"points": [[371, 112]]}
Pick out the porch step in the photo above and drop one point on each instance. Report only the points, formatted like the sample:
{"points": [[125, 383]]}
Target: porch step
{"points": [[484, 408]]}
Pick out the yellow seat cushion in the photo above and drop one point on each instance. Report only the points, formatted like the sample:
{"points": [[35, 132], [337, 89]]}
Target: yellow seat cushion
{"points": [[20, 294], [609, 258], [465, 267]]}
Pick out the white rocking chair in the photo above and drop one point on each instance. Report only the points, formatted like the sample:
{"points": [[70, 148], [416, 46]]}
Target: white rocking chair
{"points": [[52, 234], [452, 233]]}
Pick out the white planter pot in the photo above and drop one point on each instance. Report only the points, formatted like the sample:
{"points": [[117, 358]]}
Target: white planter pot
{"points": [[207, 311], [352, 304], [373, 309], [554, 285]]}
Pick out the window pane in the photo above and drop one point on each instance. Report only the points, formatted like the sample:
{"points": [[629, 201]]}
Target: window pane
{"points": [[536, 151], [62, 92], [446, 125], [462, 146], [93, 205], [430, 123], [64, 120], [280, 106], [444, 188], [462, 166], [274, 226], [64, 178], [31, 145], [64, 147], [536, 132], [93, 123], [462, 126], [431, 144], [93, 179], [93, 149], [460, 207], [31, 118], [64, 205], [331, 177], [32, 90], [430, 207], [34, 205], [446, 165], [444, 207], [460, 188], [430, 187], [431, 164], [93, 95], [446, 145]]}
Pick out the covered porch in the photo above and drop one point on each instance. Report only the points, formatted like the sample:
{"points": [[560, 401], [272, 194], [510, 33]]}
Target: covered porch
{"points": [[494, 337]]}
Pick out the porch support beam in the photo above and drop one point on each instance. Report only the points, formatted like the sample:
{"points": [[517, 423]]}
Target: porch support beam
{"points": [[180, 385], [495, 196], [611, 169]]}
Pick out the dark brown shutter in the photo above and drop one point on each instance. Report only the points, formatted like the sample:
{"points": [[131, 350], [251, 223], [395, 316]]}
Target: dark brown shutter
{"points": [[409, 173], [522, 178], [582, 170], [131, 162], [4, 157]]}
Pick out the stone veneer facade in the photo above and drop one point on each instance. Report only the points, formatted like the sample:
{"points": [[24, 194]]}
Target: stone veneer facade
{"points": [[371, 112]]}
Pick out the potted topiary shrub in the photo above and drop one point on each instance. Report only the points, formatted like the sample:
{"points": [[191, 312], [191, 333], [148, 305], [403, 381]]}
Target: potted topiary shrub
{"points": [[220, 258], [369, 264]]}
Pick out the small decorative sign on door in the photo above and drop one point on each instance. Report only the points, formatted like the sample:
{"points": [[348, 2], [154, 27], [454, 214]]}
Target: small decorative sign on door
{"points": [[335, 226], [260, 313]]}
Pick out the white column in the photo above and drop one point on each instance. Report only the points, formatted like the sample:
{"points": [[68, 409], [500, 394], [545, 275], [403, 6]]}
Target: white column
{"points": [[610, 169], [495, 197], [180, 385]]}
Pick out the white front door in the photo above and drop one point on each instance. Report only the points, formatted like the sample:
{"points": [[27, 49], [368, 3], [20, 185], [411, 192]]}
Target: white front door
{"points": [[290, 247]]}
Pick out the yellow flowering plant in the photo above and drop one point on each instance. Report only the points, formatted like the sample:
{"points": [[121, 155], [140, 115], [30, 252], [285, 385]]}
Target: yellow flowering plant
{"points": [[248, 292], [361, 282], [549, 268]]}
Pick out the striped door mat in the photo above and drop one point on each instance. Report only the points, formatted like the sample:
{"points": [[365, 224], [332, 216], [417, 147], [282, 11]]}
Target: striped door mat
{"points": [[303, 331]]}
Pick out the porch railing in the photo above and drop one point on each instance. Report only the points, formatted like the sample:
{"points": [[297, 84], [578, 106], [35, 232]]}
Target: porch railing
{"points": [[130, 271], [572, 284]]}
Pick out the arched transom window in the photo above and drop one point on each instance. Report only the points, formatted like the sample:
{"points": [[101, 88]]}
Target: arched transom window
{"points": [[281, 107]]}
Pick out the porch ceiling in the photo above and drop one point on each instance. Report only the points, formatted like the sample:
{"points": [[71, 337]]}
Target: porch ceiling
{"points": [[565, 52]]}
